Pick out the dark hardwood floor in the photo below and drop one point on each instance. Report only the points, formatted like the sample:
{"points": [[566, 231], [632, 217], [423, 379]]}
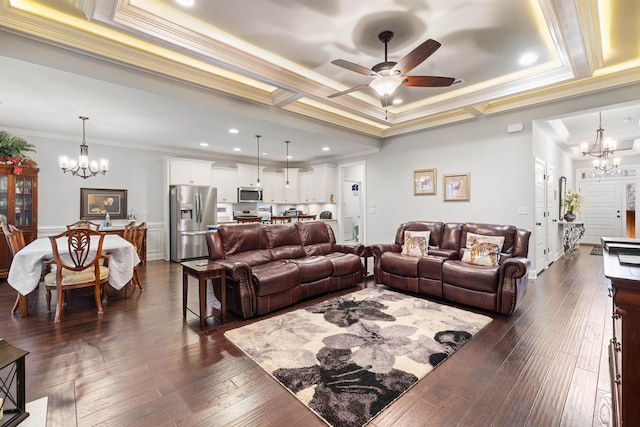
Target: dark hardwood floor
{"points": [[140, 364]]}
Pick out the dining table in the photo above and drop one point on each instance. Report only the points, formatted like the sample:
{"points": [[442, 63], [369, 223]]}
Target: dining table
{"points": [[27, 266]]}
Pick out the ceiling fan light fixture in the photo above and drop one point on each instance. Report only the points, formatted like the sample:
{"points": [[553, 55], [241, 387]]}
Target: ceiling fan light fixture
{"points": [[386, 85]]}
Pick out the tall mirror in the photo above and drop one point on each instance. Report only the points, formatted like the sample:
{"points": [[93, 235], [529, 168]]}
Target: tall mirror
{"points": [[561, 194]]}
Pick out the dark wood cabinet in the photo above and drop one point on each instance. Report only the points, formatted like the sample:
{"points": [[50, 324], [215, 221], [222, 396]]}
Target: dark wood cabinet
{"points": [[18, 206], [625, 343]]}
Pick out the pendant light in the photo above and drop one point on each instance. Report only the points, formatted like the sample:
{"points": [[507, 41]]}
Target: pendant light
{"points": [[287, 142], [82, 167], [258, 160]]}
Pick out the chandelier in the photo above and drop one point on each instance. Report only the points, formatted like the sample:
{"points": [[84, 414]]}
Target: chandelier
{"points": [[82, 167], [602, 149]]}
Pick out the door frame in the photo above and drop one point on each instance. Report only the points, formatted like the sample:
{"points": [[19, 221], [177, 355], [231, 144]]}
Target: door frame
{"points": [[342, 177]]}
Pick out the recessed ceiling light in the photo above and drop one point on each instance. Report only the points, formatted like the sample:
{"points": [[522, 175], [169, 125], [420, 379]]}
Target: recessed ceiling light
{"points": [[528, 58], [627, 119], [204, 144], [237, 149], [289, 156], [186, 3], [397, 101], [232, 130], [325, 149], [264, 153]]}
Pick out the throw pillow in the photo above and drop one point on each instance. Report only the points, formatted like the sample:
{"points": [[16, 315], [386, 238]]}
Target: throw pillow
{"points": [[416, 243], [483, 250]]}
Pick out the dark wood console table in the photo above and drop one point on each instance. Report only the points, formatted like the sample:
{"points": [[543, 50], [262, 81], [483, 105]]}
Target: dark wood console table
{"points": [[624, 347], [203, 270]]}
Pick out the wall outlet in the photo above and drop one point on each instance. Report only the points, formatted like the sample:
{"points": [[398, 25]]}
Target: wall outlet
{"points": [[522, 210]]}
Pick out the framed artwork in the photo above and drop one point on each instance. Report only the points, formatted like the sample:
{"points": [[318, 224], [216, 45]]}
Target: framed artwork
{"points": [[424, 182], [457, 187], [95, 203]]}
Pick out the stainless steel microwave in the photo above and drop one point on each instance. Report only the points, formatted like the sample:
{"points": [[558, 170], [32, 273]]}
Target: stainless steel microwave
{"points": [[249, 194]]}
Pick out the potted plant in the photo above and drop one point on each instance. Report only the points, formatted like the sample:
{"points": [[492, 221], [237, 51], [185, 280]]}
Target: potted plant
{"points": [[572, 203], [13, 150]]}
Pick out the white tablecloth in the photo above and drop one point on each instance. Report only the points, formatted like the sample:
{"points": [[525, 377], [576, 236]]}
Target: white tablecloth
{"points": [[26, 267]]}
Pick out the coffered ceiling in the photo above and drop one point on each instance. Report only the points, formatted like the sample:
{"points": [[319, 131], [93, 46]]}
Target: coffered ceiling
{"points": [[271, 57]]}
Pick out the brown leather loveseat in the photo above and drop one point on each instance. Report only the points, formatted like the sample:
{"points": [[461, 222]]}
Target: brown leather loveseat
{"points": [[479, 265], [272, 266]]}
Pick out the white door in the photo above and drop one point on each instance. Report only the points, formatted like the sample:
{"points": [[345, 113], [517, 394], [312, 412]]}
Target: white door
{"points": [[351, 208], [550, 214], [540, 209], [601, 211]]}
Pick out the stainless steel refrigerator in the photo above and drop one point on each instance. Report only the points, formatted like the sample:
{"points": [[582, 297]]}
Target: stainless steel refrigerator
{"points": [[193, 211]]}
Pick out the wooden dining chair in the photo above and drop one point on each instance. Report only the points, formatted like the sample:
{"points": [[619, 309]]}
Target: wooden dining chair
{"points": [[129, 230], [81, 268], [280, 219], [83, 223], [136, 238], [15, 242]]}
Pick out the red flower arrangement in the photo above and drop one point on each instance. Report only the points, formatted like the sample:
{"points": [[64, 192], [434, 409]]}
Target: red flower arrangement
{"points": [[17, 163]]}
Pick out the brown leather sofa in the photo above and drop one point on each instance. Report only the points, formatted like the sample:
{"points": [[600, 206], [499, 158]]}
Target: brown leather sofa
{"points": [[272, 266], [442, 273]]}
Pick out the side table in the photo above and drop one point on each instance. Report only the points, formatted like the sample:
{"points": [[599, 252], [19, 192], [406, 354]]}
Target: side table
{"points": [[203, 270], [12, 369]]}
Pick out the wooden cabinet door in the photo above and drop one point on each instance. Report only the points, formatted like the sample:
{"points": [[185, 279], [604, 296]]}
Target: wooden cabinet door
{"points": [[180, 173], [201, 174], [226, 182], [306, 187], [273, 191], [18, 206]]}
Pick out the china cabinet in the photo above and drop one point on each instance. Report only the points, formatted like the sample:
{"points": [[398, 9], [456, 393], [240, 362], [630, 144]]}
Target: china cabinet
{"points": [[18, 206]]}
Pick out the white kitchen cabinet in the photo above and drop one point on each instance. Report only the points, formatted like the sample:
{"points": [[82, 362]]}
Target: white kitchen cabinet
{"points": [[226, 181], [306, 187], [186, 172], [324, 180], [291, 194], [248, 175], [318, 185], [272, 187]]}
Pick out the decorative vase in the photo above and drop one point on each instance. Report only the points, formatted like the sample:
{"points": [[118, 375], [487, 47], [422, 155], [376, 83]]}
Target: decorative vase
{"points": [[569, 216]]}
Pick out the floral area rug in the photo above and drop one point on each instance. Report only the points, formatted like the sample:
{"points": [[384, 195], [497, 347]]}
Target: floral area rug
{"points": [[350, 357]]}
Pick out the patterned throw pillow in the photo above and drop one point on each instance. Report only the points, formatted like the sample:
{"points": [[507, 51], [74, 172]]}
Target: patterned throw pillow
{"points": [[483, 250], [416, 243]]}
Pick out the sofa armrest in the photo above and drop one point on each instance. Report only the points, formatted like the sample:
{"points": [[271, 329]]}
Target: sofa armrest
{"points": [[515, 267], [514, 277], [244, 293], [378, 249], [357, 249]]}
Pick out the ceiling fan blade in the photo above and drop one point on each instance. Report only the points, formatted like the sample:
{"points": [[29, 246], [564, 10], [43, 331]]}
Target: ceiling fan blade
{"points": [[416, 56], [353, 89], [354, 67], [428, 81]]}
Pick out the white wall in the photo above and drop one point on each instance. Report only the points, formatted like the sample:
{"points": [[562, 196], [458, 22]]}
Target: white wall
{"points": [[500, 167], [137, 171]]}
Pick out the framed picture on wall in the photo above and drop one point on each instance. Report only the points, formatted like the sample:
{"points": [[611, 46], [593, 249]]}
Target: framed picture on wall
{"points": [[95, 203], [424, 182], [457, 187]]}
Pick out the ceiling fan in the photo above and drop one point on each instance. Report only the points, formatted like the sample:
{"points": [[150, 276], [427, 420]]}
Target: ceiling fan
{"points": [[388, 75]]}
